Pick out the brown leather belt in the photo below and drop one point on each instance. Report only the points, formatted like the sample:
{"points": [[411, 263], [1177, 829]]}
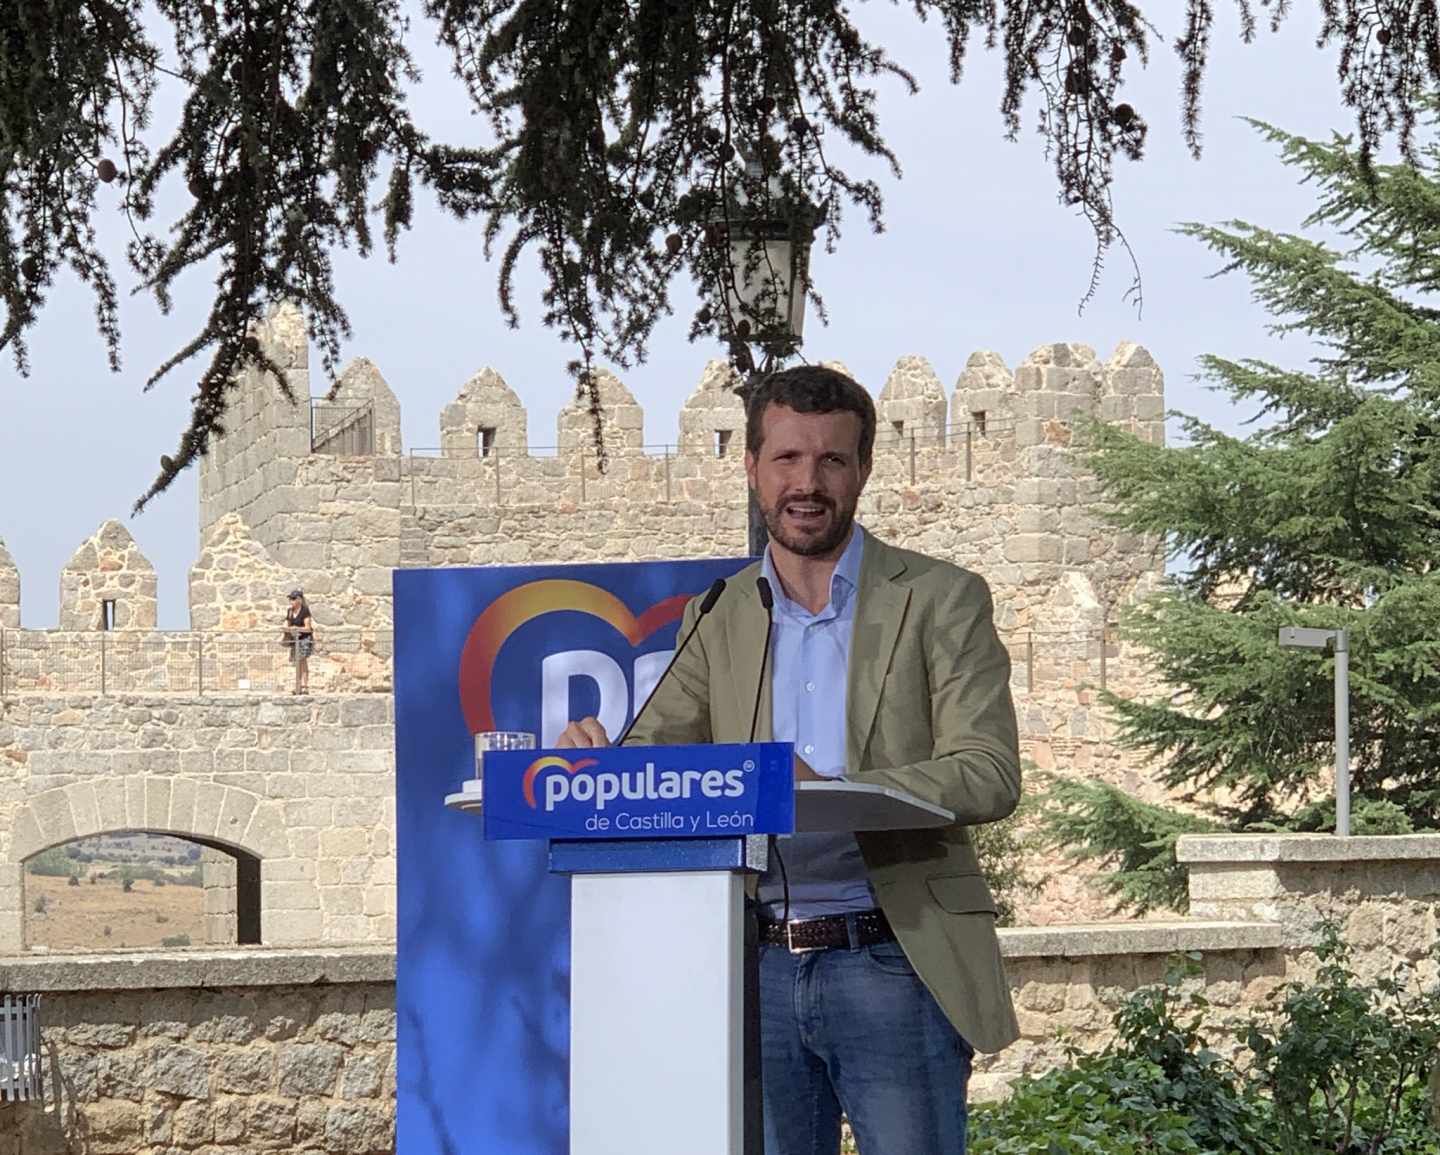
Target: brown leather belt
{"points": [[799, 935]]}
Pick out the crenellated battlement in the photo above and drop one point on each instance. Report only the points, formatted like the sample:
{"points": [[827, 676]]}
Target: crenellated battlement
{"points": [[984, 473], [325, 495]]}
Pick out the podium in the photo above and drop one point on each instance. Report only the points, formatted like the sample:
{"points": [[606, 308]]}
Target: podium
{"points": [[657, 932]]}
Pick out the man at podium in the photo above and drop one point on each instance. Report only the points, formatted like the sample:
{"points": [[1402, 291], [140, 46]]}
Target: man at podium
{"points": [[880, 971]]}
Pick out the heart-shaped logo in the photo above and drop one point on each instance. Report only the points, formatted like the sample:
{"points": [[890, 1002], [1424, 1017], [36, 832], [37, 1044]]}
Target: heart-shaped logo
{"points": [[540, 765], [511, 610]]}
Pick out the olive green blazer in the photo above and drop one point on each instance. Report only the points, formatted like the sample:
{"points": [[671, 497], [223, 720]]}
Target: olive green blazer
{"points": [[928, 711]]}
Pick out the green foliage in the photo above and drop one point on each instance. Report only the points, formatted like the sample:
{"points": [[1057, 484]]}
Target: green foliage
{"points": [[1006, 850], [1346, 1062], [175, 940], [615, 150], [1097, 821], [52, 863], [1108, 1106], [1338, 1067], [1324, 515], [41, 904]]}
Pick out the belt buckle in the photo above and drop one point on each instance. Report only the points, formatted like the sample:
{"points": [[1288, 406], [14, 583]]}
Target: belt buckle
{"points": [[790, 937]]}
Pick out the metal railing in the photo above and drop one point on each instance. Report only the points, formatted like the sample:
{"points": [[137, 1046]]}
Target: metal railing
{"points": [[1054, 658], [190, 662], [965, 442], [20, 1065], [355, 661], [342, 430]]}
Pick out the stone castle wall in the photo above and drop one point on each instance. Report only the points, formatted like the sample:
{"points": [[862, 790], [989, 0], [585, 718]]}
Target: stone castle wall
{"points": [[987, 476], [271, 1051], [306, 786]]}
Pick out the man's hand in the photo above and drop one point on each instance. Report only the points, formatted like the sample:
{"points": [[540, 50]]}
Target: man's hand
{"points": [[584, 733], [803, 772]]}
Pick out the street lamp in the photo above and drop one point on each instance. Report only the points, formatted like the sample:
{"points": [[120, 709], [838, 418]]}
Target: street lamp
{"points": [[1306, 638], [764, 280]]}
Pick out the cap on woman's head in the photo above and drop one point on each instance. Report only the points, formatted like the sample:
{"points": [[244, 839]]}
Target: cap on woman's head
{"points": [[297, 593]]}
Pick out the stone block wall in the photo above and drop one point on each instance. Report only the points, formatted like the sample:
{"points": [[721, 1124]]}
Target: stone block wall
{"points": [[108, 566], [272, 1051], [9, 591], [1382, 891], [218, 881], [999, 489], [305, 785], [267, 434]]}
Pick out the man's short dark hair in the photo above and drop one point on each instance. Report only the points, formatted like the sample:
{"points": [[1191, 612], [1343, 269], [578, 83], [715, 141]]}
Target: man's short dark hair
{"points": [[811, 389]]}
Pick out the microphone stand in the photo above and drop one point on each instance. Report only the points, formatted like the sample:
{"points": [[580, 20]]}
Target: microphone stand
{"points": [[754, 1092]]}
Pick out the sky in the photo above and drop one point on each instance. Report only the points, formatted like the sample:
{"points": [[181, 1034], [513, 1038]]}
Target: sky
{"points": [[977, 254]]}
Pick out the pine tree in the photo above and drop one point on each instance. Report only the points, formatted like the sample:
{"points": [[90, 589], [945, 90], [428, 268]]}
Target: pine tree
{"points": [[1326, 514]]}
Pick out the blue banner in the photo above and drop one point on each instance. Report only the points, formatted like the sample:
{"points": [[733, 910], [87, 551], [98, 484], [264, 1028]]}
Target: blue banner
{"points": [[641, 792], [483, 959]]}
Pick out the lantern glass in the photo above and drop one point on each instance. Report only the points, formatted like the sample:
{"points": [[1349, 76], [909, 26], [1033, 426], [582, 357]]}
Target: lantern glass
{"points": [[767, 286]]}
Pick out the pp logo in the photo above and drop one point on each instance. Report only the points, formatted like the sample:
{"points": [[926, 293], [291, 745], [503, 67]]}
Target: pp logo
{"points": [[610, 679]]}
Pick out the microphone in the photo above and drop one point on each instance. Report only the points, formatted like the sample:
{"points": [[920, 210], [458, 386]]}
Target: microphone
{"points": [[767, 599], [707, 603]]}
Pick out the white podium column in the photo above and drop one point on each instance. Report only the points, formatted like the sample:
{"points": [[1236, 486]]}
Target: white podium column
{"points": [[656, 1033]]}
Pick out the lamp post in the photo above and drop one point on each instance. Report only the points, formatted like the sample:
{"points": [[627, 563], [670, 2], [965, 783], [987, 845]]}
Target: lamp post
{"points": [[767, 235], [1306, 638]]}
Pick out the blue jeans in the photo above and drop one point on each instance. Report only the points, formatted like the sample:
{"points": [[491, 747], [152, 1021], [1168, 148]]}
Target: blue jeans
{"points": [[855, 1031]]}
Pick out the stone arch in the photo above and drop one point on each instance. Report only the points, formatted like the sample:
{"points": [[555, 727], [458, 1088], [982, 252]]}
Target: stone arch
{"points": [[280, 893]]}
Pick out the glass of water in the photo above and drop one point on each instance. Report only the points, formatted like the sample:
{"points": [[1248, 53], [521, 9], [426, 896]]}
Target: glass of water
{"points": [[499, 740]]}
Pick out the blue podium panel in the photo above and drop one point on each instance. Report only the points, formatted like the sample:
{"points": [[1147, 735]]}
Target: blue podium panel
{"points": [[483, 961], [641, 792]]}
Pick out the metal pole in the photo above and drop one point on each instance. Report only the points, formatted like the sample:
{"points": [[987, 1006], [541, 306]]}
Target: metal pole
{"points": [[1342, 733]]}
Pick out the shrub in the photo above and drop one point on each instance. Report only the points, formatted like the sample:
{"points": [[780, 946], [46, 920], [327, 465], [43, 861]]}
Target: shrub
{"points": [[74, 880], [1338, 1066], [52, 863], [176, 940], [41, 905]]}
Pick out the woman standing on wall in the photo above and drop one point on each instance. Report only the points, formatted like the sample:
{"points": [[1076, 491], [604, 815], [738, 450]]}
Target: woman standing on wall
{"points": [[300, 637]]}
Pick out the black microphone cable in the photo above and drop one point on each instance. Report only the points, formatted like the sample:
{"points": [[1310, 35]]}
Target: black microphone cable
{"points": [[712, 595], [767, 599]]}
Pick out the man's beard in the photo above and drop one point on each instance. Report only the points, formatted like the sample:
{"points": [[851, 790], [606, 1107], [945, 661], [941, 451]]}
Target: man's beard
{"points": [[809, 546]]}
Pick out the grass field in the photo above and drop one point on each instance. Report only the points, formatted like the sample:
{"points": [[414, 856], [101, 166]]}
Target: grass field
{"points": [[76, 918]]}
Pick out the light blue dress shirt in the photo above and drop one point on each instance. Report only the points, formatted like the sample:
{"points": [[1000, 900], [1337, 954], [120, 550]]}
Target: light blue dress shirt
{"points": [[809, 663]]}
